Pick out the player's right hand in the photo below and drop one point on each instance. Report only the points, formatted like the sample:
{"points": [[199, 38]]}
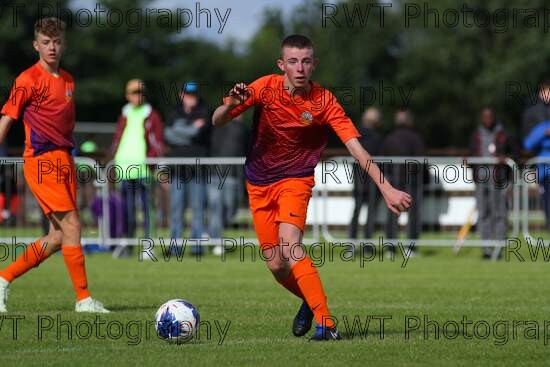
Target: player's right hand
{"points": [[397, 201], [239, 93]]}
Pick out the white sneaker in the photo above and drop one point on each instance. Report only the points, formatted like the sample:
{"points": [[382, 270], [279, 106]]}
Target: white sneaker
{"points": [[218, 250], [90, 305], [4, 290]]}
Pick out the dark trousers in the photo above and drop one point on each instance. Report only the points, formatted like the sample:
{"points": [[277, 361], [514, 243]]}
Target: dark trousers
{"points": [[492, 212], [492, 217], [130, 189], [364, 193], [412, 184]]}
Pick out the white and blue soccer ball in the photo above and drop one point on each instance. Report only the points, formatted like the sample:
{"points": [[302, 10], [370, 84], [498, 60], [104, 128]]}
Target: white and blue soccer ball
{"points": [[177, 321]]}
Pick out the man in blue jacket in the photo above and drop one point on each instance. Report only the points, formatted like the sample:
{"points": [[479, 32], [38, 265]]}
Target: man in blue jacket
{"points": [[538, 140]]}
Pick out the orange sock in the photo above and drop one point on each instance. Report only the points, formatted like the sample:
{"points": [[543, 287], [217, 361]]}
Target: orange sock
{"points": [[309, 283], [74, 260], [32, 257], [291, 284]]}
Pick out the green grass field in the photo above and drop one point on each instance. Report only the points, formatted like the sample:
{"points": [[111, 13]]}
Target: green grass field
{"points": [[256, 313]]}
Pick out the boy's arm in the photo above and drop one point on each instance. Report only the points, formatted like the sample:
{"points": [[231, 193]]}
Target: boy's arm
{"points": [[397, 201], [5, 124], [238, 95], [221, 115]]}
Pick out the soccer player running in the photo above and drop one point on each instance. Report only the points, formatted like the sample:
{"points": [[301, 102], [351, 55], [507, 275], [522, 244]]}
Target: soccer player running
{"points": [[43, 96], [290, 132]]}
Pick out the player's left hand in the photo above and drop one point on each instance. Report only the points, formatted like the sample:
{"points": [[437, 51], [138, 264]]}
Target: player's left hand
{"points": [[397, 201]]}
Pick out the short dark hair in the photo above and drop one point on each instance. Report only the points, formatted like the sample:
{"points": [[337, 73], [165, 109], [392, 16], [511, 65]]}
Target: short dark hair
{"points": [[297, 40], [51, 27]]}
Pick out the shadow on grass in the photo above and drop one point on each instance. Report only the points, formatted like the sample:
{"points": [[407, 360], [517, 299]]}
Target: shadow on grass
{"points": [[132, 308], [346, 335]]}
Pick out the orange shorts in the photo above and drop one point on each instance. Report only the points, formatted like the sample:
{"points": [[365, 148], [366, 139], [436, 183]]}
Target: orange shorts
{"points": [[283, 201], [51, 177]]}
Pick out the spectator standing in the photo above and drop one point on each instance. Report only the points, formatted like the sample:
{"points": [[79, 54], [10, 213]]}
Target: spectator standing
{"points": [[538, 112], [490, 140], [364, 189], [538, 141], [188, 135], [229, 140], [405, 141], [138, 137]]}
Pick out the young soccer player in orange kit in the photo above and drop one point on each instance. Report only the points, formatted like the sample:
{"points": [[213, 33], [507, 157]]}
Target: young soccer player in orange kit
{"points": [[290, 132], [43, 96]]}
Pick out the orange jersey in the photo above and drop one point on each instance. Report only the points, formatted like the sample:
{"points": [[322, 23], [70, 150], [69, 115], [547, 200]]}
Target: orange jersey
{"points": [[46, 104], [290, 130]]}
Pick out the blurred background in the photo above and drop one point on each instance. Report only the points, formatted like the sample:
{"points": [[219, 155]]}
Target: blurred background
{"points": [[454, 70]]}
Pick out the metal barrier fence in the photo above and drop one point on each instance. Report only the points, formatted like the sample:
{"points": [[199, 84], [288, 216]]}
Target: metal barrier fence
{"points": [[21, 218], [448, 204], [161, 177], [170, 172], [445, 194]]}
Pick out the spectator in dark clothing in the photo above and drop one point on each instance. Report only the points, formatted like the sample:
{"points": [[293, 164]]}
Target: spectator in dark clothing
{"points": [[538, 112], [404, 141], [490, 140], [364, 189], [188, 135], [538, 141], [229, 140]]}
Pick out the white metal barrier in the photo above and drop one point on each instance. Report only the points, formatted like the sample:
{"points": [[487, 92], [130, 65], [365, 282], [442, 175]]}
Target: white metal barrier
{"points": [[332, 202], [336, 209], [17, 234], [156, 164]]}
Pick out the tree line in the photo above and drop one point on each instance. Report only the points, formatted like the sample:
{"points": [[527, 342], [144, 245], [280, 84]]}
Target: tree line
{"points": [[442, 59]]}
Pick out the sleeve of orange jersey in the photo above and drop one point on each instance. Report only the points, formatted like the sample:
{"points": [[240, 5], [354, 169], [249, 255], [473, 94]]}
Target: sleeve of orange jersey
{"points": [[255, 89], [338, 121], [19, 96]]}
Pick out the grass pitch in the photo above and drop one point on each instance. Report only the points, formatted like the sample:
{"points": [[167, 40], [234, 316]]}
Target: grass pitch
{"points": [[499, 302]]}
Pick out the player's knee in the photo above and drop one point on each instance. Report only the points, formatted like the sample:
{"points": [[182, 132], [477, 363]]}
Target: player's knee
{"points": [[279, 268], [71, 225], [289, 238]]}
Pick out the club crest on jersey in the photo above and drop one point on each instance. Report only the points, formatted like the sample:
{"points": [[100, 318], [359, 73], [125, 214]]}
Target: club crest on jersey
{"points": [[306, 117], [68, 93]]}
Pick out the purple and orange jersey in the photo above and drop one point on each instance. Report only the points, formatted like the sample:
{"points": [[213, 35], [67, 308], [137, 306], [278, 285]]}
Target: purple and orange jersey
{"points": [[46, 104], [290, 131]]}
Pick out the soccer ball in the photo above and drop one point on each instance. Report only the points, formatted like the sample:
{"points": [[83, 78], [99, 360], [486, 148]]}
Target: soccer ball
{"points": [[177, 321]]}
